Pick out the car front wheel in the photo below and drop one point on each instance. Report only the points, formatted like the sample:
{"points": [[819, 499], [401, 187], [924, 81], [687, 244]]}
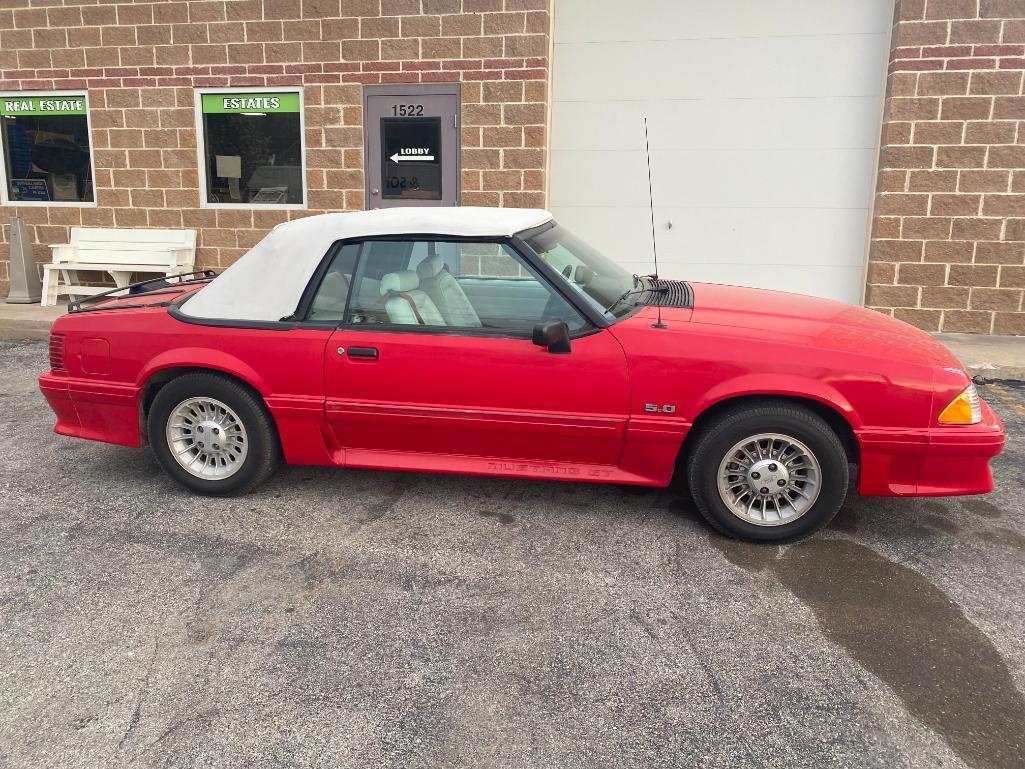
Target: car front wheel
{"points": [[212, 435], [768, 472]]}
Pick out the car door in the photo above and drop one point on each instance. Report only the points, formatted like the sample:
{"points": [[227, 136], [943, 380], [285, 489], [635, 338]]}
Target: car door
{"points": [[417, 369]]}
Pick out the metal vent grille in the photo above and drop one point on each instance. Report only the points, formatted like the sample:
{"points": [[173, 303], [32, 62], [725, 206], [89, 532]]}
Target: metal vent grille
{"points": [[56, 352], [677, 293]]}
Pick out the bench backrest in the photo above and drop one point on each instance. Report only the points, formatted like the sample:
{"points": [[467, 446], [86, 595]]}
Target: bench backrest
{"points": [[103, 245]]}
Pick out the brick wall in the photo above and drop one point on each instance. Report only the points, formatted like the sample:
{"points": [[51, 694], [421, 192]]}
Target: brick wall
{"points": [[133, 55], [948, 239]]}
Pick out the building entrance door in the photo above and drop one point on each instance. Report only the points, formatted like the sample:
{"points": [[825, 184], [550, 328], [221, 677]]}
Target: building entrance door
{"points": [[411, 145]]}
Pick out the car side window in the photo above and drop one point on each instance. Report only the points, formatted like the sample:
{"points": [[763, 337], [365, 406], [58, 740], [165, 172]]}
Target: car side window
{"points": [[454, 285], [329, 302]]}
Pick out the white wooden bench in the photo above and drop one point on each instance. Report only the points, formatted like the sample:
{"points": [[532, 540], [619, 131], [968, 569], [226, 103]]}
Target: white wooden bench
{"points": [[119, 252]]}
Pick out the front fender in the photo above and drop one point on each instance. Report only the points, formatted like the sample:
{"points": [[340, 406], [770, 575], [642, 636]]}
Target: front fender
{"points": [[790, 385]]}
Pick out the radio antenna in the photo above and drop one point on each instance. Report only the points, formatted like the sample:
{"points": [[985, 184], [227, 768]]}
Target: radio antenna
{"points": [[651, 208]]}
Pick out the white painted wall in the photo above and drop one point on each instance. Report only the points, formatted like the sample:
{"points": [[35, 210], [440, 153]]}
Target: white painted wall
{"points": [[764, 121]]}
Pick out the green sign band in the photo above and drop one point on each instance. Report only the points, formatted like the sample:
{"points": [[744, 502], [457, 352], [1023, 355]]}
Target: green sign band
{"points": [[13, 105], [239, 103]]}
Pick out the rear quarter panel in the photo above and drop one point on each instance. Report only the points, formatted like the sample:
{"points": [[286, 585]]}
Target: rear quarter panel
{"points": [[284, 366]]}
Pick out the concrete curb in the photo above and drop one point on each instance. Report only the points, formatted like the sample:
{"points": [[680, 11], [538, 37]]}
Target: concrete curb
{"points": [[989, 358], [22, 322]]}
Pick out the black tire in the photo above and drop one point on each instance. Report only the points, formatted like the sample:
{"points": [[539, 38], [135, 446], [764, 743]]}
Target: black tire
{"points": [[730, 428], [263, 449]]}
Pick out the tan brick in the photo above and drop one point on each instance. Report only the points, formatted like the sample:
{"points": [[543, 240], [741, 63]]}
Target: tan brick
{"points": [[882, 273], [526, 45], [945, 297], [1014, 229], [951, 9], [920, 33], [891, 296], [523, 158], [1018, 181], [1004, 299], [902, 84], [975, 229], [967, 321], [441, 48], [938, 132], [1012, 277], [999, 9], [1006, 157], [421, 26], [916, 108], [932, 181], [887, 227], [907, 157], [996, 83], [1009, 323], [1009, 107], [912, 274], [487, 47], [1003, 205], [892, 180], [902, 204], [925, 227], [949, 251], [1014, 30], [974, 31], [972, 275], [400, 48], [504, 23], [983, 181], [461, 25], [985, 132], [960, 157], [966, 108], [927, 320], [954, 205], [943, 83], [987, 252], [896, 133]]}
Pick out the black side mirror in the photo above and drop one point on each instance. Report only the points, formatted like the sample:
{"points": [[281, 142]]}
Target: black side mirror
{"points": [[554, 335]]}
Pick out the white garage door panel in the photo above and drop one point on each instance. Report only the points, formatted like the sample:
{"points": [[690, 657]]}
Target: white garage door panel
{"points": [[836, 65], [723, 236], [600, 20], [718, 124], [763, 122], [714, 179]]}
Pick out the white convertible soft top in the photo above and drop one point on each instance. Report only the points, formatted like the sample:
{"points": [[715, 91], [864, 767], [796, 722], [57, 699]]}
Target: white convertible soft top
{"points": [[267, 282]]}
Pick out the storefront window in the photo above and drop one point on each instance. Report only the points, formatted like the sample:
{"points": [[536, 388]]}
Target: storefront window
{"points": [[252, 149], [46, 149]]}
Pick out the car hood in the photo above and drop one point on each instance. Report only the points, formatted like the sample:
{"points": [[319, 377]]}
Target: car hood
{"points": [[812, 322]]}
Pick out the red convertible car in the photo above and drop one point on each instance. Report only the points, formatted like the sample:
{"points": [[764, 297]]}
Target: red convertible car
{"points": [[495, 342]]}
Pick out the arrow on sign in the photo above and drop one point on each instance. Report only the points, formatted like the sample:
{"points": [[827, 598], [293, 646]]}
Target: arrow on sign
{"points": [[396, 158]]}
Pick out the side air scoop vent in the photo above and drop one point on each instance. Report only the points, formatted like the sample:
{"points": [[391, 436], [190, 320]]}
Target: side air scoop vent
{"points": [[668, 293]]}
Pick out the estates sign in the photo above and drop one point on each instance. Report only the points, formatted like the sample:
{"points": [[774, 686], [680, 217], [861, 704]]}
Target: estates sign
{"points": [[13, 105], [242, 103]]}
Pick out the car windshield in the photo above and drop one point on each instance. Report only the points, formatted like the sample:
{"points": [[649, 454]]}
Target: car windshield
{"points": [[602, 282]]}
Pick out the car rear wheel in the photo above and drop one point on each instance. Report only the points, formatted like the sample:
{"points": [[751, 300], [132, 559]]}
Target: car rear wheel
{"points": [[768, 472], [212, 435]]}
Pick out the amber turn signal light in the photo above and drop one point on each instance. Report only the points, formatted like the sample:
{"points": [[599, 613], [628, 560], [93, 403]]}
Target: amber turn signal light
{"points": [[964, 409]]}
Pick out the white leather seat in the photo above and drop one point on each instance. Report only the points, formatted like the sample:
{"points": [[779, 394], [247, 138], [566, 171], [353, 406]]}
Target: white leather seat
{"points": [[329, 302], [446, 293], [405, 303]]}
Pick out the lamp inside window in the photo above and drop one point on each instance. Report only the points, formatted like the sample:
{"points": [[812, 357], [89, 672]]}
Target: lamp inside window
{"points": [[253, 150]]}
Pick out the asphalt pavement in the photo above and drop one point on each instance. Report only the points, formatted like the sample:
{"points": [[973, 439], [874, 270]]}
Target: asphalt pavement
{"points": [[346, 618]]}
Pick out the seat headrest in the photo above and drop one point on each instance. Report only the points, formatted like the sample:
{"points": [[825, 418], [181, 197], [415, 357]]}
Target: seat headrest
{"points": [[403, 280], [430, 267]]}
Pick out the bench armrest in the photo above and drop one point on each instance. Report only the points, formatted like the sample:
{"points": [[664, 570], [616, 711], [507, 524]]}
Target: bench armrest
{"points": [[62, 252]]}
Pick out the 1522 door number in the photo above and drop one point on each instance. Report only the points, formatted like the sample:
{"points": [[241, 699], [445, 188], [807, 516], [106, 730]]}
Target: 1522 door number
{"points": [[407, 110]]}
